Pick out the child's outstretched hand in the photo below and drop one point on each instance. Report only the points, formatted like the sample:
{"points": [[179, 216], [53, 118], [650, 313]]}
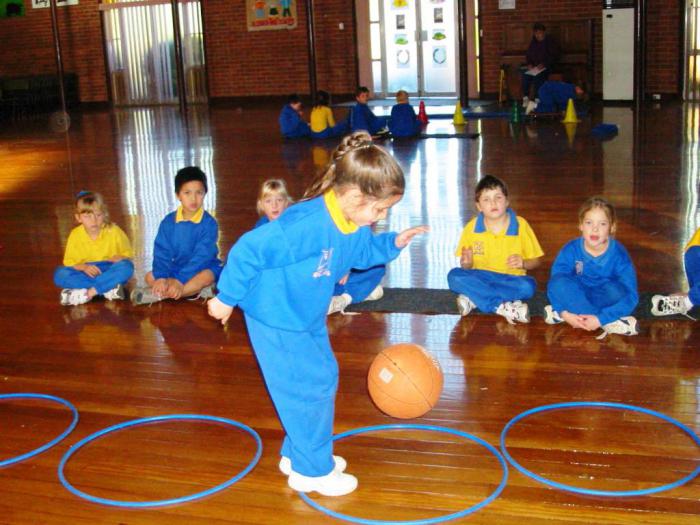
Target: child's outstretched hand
{"points": [[466, 261], [403, 238], [219, 310]]}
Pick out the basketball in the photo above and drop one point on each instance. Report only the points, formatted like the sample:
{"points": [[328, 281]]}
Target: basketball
{"points": [[405, 381]]}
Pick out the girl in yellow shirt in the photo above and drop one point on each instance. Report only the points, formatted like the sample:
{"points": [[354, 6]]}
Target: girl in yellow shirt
{"points": [[323, 124], [98, 255]]}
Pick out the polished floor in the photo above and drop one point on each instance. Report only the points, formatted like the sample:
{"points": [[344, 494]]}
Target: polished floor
{"points": [[116, 362]]}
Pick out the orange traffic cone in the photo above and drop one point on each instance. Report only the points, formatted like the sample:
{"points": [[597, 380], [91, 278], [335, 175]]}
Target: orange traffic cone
{"points": [[422, 115], [570, 115]]}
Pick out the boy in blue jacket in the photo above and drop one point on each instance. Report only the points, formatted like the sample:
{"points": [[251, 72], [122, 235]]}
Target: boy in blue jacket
{"points": [[361, 116], [185, 255], [291, 124]]}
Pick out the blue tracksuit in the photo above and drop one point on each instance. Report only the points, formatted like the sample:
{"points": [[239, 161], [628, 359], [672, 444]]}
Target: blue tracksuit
{"points": [[604, 286], [404, 122], [112, 275], [692, 272], [183, 249], [360, 283], [362, 118], [554, 96], [291, 124], [282, 276]]}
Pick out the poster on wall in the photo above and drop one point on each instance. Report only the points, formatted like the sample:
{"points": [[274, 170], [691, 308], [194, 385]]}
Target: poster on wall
{"points": [[11, 8], [265, 15], [41, 4]]}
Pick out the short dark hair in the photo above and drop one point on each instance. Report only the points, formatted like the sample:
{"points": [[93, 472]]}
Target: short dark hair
{"points": [[489, 182], [322, 98], [293, 99], [360, 90], [189, 174], [539, 26]]}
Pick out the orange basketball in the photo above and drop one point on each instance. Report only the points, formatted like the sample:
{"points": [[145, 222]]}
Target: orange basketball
{"points": [[405, 381]]}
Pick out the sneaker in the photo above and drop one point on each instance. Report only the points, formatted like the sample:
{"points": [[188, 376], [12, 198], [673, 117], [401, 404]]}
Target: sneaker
{"points": [[339, 303], [514, 311], [333, 484], [205, 294], [671, 304], [526, 101], [375, 294], [116, 293], [464, 305], [551, 316], [144, 295], [531, 106], [74, 296], [623, 326], [286, 465]]}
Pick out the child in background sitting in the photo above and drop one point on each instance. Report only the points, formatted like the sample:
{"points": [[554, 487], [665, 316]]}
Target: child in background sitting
{"points": [[185, 255], [98, 255], [323, 124], [361, 116], [593, 283], [496, 249], [404, 122], [291, 123], [682, 303], [273, 199]]}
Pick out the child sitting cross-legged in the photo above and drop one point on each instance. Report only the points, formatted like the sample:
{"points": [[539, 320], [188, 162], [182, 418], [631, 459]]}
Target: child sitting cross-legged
{"points": [[496, 249], [185, 255], [98, 255]]}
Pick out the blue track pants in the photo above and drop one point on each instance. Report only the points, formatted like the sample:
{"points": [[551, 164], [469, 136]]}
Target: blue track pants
{"points": [[112, 275], [568, 293], [692, 271], [361, 283], [488, 289]]}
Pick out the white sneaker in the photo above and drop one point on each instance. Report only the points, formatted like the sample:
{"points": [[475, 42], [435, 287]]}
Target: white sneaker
{"points": [[116, 293], [526, 100], [671, 304], [623, 326], [144, 295], [333, 484], [74, 296], [464, 305], [551, 316], [514, 311], [339, 303], [286, 465], [375, 294], [531, 106]]}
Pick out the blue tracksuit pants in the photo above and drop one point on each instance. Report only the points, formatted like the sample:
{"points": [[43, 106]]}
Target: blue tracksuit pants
{"points": [[361, 283], [340, 129], [487, 290], [568, 293], [112, 275], [692, 271], [301, 374]]}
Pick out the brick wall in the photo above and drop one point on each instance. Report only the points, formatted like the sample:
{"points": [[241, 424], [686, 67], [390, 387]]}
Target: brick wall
{"points": [[662, 36], [27, 46]]}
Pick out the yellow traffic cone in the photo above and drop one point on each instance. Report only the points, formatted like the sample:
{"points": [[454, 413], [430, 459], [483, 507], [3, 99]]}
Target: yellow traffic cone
{"points": [[570, 115], [570, 132], [458, 119]]}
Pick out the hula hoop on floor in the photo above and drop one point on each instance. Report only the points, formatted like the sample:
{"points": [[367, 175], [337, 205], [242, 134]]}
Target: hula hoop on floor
{"points": [[593, 492], [54, 441], [164, 502], [440, 519]]}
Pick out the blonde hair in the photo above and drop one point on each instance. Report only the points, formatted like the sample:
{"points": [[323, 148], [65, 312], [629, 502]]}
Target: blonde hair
{"points": [[359, 162], [401, 96], [598, 202], [90, 202], [270, 186]]}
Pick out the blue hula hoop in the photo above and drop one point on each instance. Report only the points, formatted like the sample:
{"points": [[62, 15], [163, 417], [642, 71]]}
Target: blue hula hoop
{"points": [[593, 492], [56, 440], [439, 519], [164, 502]]}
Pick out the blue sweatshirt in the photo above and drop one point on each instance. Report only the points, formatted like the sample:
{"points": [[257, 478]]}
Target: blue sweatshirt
{"points": [[283, 273], [362, 118], [185, 248], [404, 122], [291, 124], [613, 265], [554, 96]]}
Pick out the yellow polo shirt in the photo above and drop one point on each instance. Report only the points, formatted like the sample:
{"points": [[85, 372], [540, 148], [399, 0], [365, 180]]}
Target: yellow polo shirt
{"points": [[695, 241], [80, 248], [321, 118], [491, 251]]}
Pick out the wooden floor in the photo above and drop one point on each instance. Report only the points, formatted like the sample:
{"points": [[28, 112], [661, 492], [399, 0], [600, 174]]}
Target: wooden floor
{"points": [[117, 362]]}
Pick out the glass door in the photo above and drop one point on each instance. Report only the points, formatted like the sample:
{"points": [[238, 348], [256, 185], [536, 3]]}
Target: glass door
{"points": [[415, 42]]}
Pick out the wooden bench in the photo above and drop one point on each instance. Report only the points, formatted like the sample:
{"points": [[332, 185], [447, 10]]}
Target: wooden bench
{"points": [[575, 40]]}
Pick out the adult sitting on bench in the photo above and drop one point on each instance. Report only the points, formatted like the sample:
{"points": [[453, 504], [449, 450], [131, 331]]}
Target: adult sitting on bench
{"points": [[541, 54]]}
